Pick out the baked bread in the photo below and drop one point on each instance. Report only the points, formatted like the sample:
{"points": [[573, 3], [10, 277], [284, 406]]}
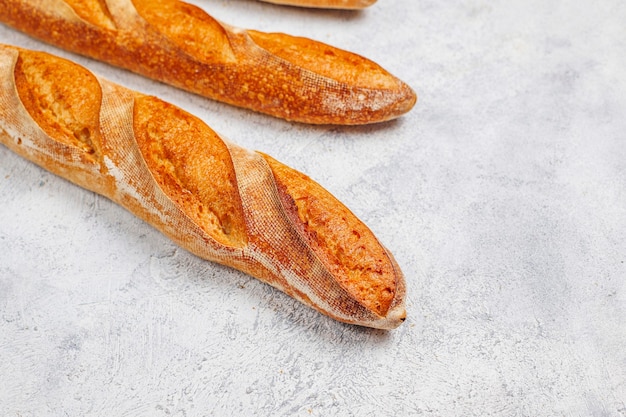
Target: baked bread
{"points": [[326, 4], [217, 200], [177, 43]]}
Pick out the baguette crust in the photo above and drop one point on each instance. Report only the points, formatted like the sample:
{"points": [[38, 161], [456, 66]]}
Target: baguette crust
{"points": [[326, 4], [217, 200], [177, 43]]}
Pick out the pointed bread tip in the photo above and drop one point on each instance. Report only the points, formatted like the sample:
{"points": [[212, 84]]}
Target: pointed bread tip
{"points": [[406, 100]]}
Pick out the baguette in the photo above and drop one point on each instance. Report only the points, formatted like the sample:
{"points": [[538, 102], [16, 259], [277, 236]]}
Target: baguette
{"points": [[326, 4], [221, 202], [289, 77]]}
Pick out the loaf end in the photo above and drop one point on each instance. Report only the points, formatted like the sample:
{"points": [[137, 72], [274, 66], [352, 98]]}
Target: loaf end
{"points": [[353, 256]]}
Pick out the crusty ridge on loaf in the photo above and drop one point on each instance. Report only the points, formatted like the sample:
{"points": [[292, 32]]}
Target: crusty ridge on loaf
{"points": [[220, 201], [65, 101], [359, 262], [180, 44], [198, 175], [93, 11]]}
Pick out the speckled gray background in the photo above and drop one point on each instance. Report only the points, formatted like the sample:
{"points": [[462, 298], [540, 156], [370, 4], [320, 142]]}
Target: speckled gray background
{"points": [[502, 196]]}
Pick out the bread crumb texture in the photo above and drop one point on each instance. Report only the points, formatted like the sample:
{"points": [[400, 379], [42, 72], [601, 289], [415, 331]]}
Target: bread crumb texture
{"points": [[192, 165], [350, 250]]}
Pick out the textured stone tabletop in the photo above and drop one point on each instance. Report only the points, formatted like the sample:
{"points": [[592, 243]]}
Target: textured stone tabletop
{"points": [[502, 195]]}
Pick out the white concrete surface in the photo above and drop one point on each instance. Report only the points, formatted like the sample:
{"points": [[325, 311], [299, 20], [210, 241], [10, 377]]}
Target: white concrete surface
{"points": [[502, 196]]}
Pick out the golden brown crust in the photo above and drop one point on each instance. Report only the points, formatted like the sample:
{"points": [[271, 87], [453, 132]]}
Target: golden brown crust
{"points": [[180, 44], [198, 175], [63, 99], [352, 252], [325, 60], [326, 4], [215, 199], [190, 28], [93, 11]]}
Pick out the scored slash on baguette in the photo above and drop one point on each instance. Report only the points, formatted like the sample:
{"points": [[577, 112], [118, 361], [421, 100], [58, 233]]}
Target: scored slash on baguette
{"points": [[326, 4], [219, 201], [289, 77]]}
